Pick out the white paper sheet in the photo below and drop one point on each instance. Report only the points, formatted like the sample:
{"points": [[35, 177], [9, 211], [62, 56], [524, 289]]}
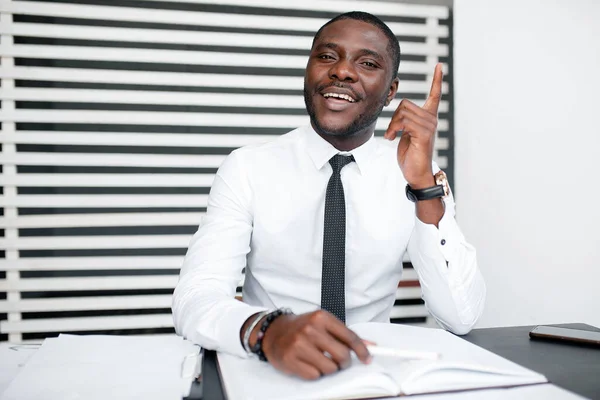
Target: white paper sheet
{"points": [[12, 358], [105, 367]]}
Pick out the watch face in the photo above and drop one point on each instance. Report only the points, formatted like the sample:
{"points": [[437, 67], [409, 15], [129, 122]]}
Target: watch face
{"points": [[441, 179]]}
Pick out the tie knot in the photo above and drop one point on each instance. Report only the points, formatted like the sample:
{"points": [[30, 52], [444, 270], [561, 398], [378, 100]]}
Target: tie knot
{"points": [[339, 161]]}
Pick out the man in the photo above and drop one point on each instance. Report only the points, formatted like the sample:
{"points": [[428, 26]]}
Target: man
{"points": [[324, 233]]}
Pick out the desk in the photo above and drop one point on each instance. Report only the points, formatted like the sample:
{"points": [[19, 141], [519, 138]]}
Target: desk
{"points": [[575, 368], [571, 367]]}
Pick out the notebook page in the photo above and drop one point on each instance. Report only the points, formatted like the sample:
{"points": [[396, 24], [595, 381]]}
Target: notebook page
{"points": [[252, 379], [544, 391], [465, 364]]}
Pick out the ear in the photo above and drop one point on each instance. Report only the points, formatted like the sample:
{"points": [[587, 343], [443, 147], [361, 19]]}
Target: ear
{"points": [[392, 91]]}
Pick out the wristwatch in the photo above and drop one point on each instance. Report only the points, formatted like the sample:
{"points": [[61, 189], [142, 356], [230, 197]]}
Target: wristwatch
{"points": [[441, 189]]}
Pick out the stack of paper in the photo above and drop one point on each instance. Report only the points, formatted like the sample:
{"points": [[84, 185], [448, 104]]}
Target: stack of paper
{"points": [[107, 367], [12, 358]]}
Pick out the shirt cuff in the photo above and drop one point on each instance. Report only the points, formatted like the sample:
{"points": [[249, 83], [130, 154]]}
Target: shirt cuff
{"points": [[445, 239], [231, 324]]}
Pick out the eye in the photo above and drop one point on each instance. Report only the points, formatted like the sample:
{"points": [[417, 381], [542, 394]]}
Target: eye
{"points": [[370, 64], [325, 57]]}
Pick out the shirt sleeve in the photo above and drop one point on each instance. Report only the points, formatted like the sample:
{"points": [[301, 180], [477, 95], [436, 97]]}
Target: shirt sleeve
{"points": [[452, 286], [205, 310]]}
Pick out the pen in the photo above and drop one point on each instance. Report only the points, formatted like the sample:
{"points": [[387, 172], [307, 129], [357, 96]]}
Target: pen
{"points": [[392, 352]]}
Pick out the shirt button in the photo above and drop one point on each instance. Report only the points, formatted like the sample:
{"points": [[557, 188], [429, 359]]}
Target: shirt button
{"points": [[443, 242]]}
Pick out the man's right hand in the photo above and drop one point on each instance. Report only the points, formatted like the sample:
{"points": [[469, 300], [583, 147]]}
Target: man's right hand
{"points": [[296, 344]]}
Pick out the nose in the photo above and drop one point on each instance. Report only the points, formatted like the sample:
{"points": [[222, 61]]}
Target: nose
{"points": [[343, 70]]}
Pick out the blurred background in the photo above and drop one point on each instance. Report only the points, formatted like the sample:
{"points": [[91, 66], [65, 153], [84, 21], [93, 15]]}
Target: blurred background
{"points": [[116, 114]]}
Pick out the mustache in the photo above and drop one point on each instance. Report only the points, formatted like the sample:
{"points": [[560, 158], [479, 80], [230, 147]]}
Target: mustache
{"points": [[340, 85]]}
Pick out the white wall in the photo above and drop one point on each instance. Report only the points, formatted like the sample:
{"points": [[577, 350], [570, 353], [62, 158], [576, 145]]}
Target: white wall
{"points": [[527, 79]]}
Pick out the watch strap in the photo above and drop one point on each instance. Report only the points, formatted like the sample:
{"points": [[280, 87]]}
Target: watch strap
{"points": [[429, 193]]}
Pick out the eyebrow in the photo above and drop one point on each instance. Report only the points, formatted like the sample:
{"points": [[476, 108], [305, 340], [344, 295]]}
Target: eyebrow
{"points": [[368, 52], [371, 53], [328, 45]]}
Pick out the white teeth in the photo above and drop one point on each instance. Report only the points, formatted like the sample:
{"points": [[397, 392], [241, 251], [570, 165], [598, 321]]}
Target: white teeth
{"points": [[340, 96]]}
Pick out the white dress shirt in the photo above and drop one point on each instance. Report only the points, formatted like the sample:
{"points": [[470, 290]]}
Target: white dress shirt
{"points": [[265, 213]]}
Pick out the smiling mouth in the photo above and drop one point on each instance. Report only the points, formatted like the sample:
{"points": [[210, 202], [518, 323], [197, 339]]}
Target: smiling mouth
{"points": [[340, 96]]}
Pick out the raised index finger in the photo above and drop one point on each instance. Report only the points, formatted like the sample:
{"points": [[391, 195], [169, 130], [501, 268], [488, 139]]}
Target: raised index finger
{"points": [[341, 332], [435, 94]]}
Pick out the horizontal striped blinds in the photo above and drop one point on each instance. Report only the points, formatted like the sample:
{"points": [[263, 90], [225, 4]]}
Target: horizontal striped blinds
{"points": [[115, 116]]}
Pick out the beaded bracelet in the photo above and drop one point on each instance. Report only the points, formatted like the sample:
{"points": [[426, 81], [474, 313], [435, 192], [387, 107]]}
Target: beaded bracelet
{"points": [[257, 348]]}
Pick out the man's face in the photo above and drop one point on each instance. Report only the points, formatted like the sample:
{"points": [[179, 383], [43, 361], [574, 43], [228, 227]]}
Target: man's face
{"points": [[348, 78]]}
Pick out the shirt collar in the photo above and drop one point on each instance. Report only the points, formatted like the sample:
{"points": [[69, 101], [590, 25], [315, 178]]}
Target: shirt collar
{"points": [[321, 151]]}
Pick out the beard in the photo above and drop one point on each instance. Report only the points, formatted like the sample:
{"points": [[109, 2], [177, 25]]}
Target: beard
{"points": [[357, 125]]}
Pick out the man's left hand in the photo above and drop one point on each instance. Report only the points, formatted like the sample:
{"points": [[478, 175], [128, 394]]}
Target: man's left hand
{"points": [[417, 126]]}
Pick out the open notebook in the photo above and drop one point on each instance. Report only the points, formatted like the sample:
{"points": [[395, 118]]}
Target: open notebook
{"points": [[463, 366]]}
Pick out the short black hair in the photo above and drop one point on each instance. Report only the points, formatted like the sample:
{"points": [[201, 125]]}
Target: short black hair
{"points": [[393, 45]]}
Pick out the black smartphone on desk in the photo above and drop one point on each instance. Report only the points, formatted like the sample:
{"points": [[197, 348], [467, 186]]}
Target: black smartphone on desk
{"points": [[578, 336]]}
